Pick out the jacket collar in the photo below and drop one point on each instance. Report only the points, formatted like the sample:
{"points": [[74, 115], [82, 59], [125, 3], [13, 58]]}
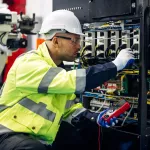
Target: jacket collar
{"points": [[43, 51]]}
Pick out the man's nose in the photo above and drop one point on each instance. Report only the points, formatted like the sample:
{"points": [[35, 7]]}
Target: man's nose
{"points": [[78, 45]]}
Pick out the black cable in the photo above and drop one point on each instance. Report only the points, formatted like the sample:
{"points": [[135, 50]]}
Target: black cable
{"points": [[1, 38]]}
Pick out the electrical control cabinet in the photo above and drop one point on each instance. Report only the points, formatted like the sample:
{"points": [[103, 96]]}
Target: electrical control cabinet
{"points": [[116, 26], [110, 26]]}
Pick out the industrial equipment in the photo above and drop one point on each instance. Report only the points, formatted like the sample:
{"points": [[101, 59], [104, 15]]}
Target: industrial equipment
{"points": [[12, 29], [110, 26]]}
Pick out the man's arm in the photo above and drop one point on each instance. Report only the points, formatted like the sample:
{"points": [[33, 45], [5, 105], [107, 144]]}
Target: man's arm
{"points": [[98, 74], [42, 78], [37, 76]]}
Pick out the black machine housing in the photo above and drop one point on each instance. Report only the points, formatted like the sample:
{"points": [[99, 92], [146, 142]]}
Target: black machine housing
{"points": [[79, 7], [93, 10], [99, 9]]}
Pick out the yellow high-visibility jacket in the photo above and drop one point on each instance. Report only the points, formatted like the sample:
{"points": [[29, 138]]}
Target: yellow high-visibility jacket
{"points": [[37, 95]]}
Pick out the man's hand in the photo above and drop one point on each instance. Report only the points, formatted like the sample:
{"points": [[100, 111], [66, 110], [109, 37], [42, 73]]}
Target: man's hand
{"points": [[124, 58], [103, 123]]}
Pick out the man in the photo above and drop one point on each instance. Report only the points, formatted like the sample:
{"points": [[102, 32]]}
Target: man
{"points": [[38, 93]]}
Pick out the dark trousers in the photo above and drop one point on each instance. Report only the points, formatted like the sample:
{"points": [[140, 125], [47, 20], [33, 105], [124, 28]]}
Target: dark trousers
{"points": [[68, 138]]}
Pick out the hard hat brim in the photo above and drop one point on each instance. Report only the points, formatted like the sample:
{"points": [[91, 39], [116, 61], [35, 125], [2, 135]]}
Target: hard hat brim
{"points": [[81, 34]]}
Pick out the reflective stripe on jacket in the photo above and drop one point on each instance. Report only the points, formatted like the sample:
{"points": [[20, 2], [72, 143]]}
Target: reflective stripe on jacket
{"points": [[38, 94]]}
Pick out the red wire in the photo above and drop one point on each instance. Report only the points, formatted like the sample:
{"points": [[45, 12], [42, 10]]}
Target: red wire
{"points": [[99, 142]]}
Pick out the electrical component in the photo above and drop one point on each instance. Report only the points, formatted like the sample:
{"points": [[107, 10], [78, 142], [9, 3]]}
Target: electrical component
{"points": [[118, 86], [99, 52], [108, 40], [14, 44], [110, 52]]}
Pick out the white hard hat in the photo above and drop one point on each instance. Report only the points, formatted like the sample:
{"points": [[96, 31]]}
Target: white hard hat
{"points": [[60, 21]]}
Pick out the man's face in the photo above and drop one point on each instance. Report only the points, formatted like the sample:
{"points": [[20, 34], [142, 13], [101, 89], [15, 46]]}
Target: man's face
{"points": [[69, 45]]}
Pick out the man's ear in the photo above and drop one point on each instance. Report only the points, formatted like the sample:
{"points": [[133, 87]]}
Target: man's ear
{"points": [[55, 42]]}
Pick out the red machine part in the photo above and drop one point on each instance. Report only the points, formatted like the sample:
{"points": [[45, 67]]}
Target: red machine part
{"points": [[18, 6], [10, 62]]}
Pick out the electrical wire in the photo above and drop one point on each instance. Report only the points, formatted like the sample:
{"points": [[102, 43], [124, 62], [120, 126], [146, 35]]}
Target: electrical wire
{"points": [[101, 106], [128, 114], [99, 139]]}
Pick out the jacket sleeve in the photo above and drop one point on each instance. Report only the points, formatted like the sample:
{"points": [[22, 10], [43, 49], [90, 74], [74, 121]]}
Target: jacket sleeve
{"points": [[98, 74], [81, 117], [39, 77]]}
